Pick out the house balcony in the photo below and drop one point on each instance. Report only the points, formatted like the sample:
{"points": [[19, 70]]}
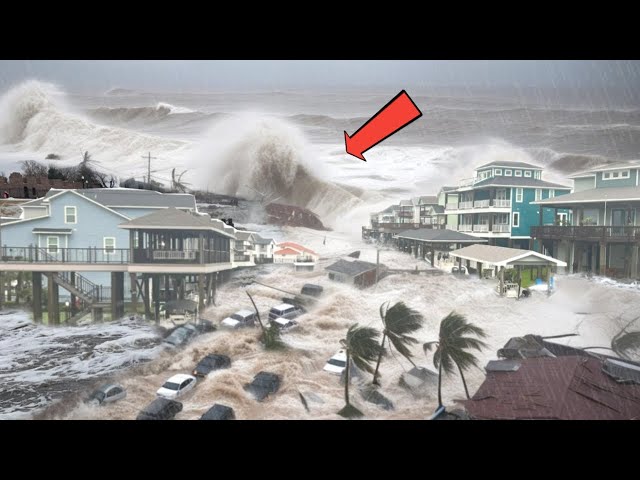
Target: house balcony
{"points": [[89, 255], [595, 233], [146, 255], [479, 204], [484, 228]]}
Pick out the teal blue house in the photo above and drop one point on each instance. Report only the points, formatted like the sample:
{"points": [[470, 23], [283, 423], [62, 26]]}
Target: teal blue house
{"points": [[498, 203], [603, 234]]}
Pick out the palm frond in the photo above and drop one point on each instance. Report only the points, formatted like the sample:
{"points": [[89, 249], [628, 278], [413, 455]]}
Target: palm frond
{"points": [[399, 321], [428, 346], [363, 346]]}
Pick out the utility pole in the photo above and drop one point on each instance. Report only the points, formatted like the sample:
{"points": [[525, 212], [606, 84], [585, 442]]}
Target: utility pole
{"points": [[377, 265], [149, 157]]}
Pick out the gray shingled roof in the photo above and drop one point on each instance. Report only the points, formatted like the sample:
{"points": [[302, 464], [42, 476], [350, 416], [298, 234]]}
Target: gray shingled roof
{"points": [[594, 195], [131, 197], [172, 219], [509, 164], [240, 235], [351, 268], [406, 203], [49, 230], [428, 199], [437, 235], [448, 189], [518, 182], [261, 241], [631, 164]]}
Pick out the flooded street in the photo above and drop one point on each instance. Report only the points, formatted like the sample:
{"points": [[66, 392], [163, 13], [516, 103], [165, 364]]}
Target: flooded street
{"points": [[594, 310]]}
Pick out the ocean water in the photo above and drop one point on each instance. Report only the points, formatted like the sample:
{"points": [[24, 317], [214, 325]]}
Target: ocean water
{"points": [[289, 146]]}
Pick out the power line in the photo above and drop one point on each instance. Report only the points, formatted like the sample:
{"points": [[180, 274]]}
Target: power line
{"points": [[149, 157]]}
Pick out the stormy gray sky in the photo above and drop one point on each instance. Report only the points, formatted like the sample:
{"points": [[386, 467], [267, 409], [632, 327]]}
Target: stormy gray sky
{"points": [[93, 76]]}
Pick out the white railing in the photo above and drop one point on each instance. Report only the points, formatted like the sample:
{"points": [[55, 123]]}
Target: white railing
{"points": [[502, 203], [451, 206], [480, 228], [465, 228], [466, 182], [465, 205], [481, 204], [500, 228], [174, 255]]}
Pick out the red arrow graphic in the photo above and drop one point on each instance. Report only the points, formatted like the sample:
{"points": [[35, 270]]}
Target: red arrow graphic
{"points": [[395, 115]]}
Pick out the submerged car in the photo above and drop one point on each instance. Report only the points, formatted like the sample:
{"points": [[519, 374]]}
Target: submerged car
{"points": [[177, 386], [285, 310], [311, 290], [111, 392], [263, 385], [181, 335], [160, 409], [242, 318], [283, 323], [219, 412], [337, 363], [210, 363]]}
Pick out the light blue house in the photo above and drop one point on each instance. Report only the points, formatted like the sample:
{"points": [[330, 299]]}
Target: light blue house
{"points": [[497, 204], [80, 223]]}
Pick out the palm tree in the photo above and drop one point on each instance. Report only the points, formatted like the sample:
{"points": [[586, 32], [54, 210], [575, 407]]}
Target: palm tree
{"points": [[399, 321], [270, 335], [361, 347], [452, 345]]}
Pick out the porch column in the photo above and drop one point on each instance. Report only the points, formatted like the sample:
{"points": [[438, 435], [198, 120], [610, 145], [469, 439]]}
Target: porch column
{"points": [[72, 302], [634, 261], [36, 282], [147, 300], [501, 281], [530, 243], [480, 269], [510, 242], [433, 254], [134, 292], [53, 313], [201, 292], [117, 295], [571, 256], [156, 297], [459, 263], [603, 259], [201, 247]]}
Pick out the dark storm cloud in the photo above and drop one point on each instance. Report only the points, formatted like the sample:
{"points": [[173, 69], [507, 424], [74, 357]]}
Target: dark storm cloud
{"points": [[183, 75]]}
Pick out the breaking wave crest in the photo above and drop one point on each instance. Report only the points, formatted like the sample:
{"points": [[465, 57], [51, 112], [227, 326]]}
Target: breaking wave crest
{"points": [[264, 158], [35, 117]]}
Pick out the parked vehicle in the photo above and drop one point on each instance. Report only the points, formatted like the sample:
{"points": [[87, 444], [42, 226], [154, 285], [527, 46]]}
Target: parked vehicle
{"points": [[111, 392], [283, 323], [160, 409], [263, 385], [219, 412], [242, 318], [210, 363], [337, 363], [311, 290], [285, 310], [181, 335], [177, 386]]}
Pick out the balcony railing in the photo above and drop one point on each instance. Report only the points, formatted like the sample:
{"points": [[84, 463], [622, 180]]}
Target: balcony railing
{"points": [[501, 203], [64, 255], [304, 259], [595, 232], [480, 228], [377, 225], [463, 205], [451, 206], [465, 228], [141, 255], [481, 204], [241, 258], [500, 228]]}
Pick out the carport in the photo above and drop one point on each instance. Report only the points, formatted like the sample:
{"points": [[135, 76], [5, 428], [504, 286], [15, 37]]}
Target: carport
{"points": [[490, 256]]}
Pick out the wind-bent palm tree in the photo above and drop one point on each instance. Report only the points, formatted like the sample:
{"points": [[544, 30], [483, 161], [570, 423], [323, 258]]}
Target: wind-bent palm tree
{"points": [[399, 321], [451, 348], [270, 335], [361, 347]]}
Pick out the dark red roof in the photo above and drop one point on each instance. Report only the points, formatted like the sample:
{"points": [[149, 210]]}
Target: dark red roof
{"points": [[562, 388]]}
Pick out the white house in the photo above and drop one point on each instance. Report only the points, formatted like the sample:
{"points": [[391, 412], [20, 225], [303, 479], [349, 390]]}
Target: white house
{"points": [[290, 252]]}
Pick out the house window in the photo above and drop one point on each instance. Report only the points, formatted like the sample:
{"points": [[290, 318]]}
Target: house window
{"points": [[498, 171], [537, 175], [109, 244], [538, 194], [70, 215], [518, 173], [507, 173], [516, 219], [615, 175], [527, 173], [53, 244], [518, 195], [552, 193]]}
